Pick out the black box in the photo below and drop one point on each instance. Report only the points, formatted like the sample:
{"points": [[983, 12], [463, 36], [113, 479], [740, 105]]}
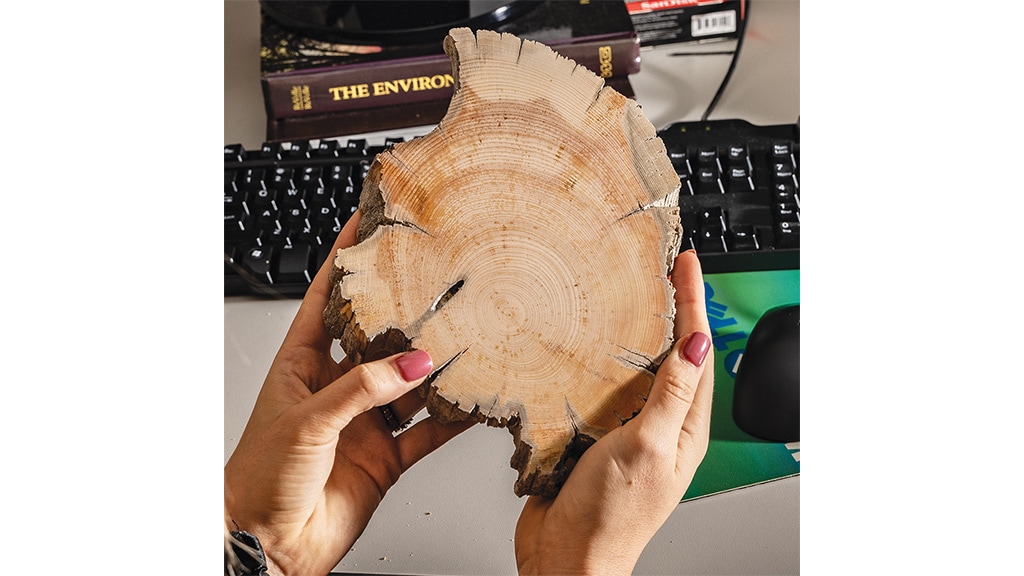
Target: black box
{"points": [[684, 21]]}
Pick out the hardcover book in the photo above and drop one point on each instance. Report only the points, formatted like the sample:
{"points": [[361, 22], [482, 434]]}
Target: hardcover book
{"points": [[361, 121], [308, 71]]}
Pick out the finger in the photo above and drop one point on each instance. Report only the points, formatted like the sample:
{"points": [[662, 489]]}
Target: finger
{"points": [[406, 406], [308, 326], [426, 436], [676, 384], [364, 387], [696, 431], [679, 377], [690, 297], [691, 309]]}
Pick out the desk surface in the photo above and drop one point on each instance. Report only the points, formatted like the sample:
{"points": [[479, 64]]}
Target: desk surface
{"points": [[424, 525]]}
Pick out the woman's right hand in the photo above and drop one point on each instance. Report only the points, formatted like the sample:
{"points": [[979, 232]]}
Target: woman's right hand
{"points": [[625, 486]]}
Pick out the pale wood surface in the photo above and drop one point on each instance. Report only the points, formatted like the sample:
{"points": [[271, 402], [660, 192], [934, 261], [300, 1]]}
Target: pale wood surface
{"points": [[525, 243]]}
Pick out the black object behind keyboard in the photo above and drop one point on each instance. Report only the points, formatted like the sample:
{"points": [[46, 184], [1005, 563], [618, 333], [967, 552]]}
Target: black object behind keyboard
{"points": [[285, 203]]}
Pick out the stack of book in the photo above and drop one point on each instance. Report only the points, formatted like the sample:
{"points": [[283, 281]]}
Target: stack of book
{"points": [[319, 85]]}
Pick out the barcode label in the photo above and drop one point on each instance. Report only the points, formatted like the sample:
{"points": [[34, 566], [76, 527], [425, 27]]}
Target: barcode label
{"points": [[713, 23]]}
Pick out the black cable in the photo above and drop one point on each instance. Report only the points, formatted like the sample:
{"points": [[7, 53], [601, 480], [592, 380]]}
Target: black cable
{"points": [[744, 16]]}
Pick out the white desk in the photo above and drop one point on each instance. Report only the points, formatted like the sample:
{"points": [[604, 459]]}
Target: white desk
{"points": [[454, 512]]}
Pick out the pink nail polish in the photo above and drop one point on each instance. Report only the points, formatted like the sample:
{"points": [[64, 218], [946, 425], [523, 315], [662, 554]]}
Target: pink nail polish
{"points": [[414, 365], [696, 348]]}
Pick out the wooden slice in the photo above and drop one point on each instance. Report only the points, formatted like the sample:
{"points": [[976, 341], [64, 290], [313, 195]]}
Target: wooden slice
{"points": [[526, 244]]}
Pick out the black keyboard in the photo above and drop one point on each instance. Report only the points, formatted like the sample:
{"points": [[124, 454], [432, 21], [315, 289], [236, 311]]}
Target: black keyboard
{"points": [[739, 199], [285, 203]]}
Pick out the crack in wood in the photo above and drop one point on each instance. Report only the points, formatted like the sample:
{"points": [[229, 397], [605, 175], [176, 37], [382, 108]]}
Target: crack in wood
{"points": [[447, 295], [663, 202], [415, 327], [437, 371], [597, 97], [637, 360], [573, 416], [390, 155]]}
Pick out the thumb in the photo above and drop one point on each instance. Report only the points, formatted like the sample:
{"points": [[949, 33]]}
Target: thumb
{"points": [[677, 382], [682, 372], [368, 385]]}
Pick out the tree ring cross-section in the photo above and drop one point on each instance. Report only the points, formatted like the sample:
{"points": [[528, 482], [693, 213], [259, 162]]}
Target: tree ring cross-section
{"points": [[526, 243]]}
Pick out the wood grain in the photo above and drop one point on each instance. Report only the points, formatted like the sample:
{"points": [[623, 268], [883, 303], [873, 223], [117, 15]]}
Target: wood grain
{"points": [[526, 244]]}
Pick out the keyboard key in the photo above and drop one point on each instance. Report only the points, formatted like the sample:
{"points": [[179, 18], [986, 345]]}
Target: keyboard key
{"points": [[328, 149], [280, 179], [298, 149], [234, 153], [782, 192], [249, 179], [295, 217], [677, 156], [325, 216], [263, 199], [321, 198], [293, 263], [781, 151], [356, 147], [786, 212], [234, 197], [712, 240], [788, 235], [267, 217], [782, 172], [349, 196], [235, 223], [326, 234], [256, 260], [738, 180], [737, 155], [230, 181], [272, 150], [304, 233], [685, 185], [309, 177], [706, 181], [713, 216], [292, 198], [338, 175], [743, 238], [707, 156]]}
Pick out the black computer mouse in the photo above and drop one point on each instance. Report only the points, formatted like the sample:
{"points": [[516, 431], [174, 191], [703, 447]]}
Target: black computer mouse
{"points": [[766, 397]]}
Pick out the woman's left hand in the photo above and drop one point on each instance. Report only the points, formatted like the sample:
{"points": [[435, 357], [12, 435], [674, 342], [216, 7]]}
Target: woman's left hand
{"points": [[316, 456]]}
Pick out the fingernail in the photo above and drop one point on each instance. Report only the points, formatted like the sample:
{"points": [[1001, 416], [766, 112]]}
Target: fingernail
{"points": [[696, 348], [414, 365]]}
